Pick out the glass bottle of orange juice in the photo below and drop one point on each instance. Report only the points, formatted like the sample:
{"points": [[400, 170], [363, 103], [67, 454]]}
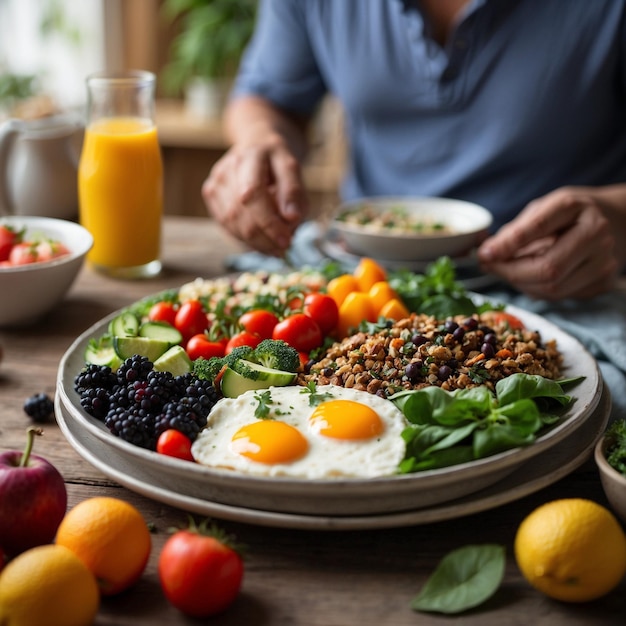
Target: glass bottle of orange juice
{"points": [[120, 175]]}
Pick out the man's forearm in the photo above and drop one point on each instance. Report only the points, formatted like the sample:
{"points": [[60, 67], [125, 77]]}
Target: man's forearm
{"points": [[253, 120]]}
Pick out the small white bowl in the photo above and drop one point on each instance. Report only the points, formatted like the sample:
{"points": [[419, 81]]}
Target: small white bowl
{"points": [[613, 482], [29, 291], [465, 226]]}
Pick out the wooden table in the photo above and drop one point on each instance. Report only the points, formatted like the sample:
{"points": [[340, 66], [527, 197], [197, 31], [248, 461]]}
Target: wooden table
{"points": [[293, 577]]}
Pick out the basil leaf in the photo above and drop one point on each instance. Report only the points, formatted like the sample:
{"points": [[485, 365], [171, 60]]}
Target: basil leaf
{"points": [[463, 579]]}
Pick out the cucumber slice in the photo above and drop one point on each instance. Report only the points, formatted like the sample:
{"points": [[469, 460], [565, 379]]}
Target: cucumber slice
{"points": [[102, 353], [125, 347], [124, 325], [274, 377], [175, 360], [161, 330], [234, 384]]}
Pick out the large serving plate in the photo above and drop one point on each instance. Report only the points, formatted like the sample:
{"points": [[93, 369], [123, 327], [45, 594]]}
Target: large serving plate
{"points": [[538, 473], [337, 496]]}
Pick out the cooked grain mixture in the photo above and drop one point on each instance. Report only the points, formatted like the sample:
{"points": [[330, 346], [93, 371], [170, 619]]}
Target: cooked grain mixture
{"points": [[420, 351]]}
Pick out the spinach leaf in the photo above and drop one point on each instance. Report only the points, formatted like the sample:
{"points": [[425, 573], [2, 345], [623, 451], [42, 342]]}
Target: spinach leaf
{"points": [[463, 579], [519, 386]]}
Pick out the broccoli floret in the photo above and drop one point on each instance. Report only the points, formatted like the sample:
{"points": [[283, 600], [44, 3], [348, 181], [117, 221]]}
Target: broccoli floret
{"points": [[208, 369], [240, 352], [276, 354]]}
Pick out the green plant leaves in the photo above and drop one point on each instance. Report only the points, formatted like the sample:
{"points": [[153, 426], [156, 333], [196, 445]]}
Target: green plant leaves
{"points": [[447, 428], [463, 579]]}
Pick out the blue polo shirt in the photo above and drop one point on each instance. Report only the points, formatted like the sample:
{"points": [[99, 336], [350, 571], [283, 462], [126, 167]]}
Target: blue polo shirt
{"points": [[526, 96]]}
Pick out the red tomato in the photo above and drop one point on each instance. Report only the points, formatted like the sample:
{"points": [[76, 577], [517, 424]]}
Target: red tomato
{"points": [[172, 442], [323, 309], [259, 322], [304, 359], [8, 238], [200, 574], [508, 318], [201, 346], [300, 331], [191, 319], [243, 338], [163, 312]]}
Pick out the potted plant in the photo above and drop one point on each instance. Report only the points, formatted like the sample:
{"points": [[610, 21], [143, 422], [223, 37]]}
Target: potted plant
{"points": [[205, 53]]}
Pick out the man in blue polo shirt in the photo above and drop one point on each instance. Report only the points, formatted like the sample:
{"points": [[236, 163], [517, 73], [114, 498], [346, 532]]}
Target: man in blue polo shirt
{"points": [[518, 105]]}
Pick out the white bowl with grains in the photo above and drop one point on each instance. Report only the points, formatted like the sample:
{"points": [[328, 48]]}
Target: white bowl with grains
{"points": [[411, 228], [37, 277]]}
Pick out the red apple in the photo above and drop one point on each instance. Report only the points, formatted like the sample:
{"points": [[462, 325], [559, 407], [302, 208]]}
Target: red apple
{"points": [[33, 499]]}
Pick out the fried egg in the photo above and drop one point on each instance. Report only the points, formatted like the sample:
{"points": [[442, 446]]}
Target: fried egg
{"points": [[334, 432]]}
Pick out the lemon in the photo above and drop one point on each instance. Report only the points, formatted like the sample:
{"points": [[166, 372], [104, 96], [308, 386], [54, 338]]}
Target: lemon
{"points": [[48, 586], [572, 550]]}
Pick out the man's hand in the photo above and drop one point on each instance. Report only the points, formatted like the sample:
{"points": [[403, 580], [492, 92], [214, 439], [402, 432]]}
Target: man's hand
{"points": [[562, 245]]}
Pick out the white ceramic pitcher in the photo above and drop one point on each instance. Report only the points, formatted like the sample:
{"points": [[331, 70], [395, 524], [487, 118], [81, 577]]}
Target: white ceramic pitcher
{"points": [[39, 165]]}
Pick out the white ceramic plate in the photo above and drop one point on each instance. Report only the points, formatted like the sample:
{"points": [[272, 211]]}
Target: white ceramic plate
{"points": [[340, 496], [467, 224], [546, 469]]}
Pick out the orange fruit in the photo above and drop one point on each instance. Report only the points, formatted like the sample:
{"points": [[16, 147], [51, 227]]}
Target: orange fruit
{"points": [[48, 585], [368, 272], [572, 550], [338, 288], [111, 537], [356, 308], [394, 309]]}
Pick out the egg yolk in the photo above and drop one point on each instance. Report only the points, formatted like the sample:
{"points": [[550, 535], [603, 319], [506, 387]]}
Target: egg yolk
{"points": [[270, 442], [346, 419]]}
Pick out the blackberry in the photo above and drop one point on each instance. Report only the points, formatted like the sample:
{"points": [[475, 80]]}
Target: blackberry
{"points": [[180, 415], [133, 424], [204, 394], [94, 376], [96, 401], [39, 407], [134, 368]]}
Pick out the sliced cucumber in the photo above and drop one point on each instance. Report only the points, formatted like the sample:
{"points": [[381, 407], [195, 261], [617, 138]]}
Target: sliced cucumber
{"points": [[174, 360], [125, 347], [273, 377], [102, 353], [161, 330], [234, 384], [124, 325]]}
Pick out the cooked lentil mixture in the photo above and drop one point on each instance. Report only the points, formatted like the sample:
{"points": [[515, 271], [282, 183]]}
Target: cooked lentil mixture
{"points": [[420, 351]]}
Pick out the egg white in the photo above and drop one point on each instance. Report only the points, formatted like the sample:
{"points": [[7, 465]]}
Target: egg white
{"points": [[325, 457]]}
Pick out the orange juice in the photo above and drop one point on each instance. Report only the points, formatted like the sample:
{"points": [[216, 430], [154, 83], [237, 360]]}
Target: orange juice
{"points": [[120, 184]]}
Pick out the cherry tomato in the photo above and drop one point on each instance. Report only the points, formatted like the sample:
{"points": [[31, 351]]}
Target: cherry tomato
{"points": [[395, 309], [380, 293], [23, 254], [300, 331], [163, 312], [338, 288], [191, 319], [201, 346], [323, 309], [355, 308], [304, 359], [200, 574], [8, 238], [513, 322], [172, 442], [243, 338], [259, 322], [368, 272]]}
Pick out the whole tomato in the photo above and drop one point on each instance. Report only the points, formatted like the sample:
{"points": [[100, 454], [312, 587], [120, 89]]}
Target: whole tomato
{"points": [[201, 346], [163, 312], [200, 571], [172, 442], [259, 322], [191, 319], [300, 331], [244, 338], [323, 309]]}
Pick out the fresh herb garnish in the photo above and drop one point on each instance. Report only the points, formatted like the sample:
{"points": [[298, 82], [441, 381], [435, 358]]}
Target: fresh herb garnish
{"points": [[616, 450], [264, 400], [463, 579], [314, 397]]}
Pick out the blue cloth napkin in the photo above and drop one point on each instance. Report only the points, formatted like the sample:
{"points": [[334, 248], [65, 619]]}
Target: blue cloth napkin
{"points": [[599, 324]]}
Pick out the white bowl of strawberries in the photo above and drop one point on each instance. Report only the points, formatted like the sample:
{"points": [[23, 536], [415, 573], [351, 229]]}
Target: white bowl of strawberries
{"points": [[39, 260]]}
